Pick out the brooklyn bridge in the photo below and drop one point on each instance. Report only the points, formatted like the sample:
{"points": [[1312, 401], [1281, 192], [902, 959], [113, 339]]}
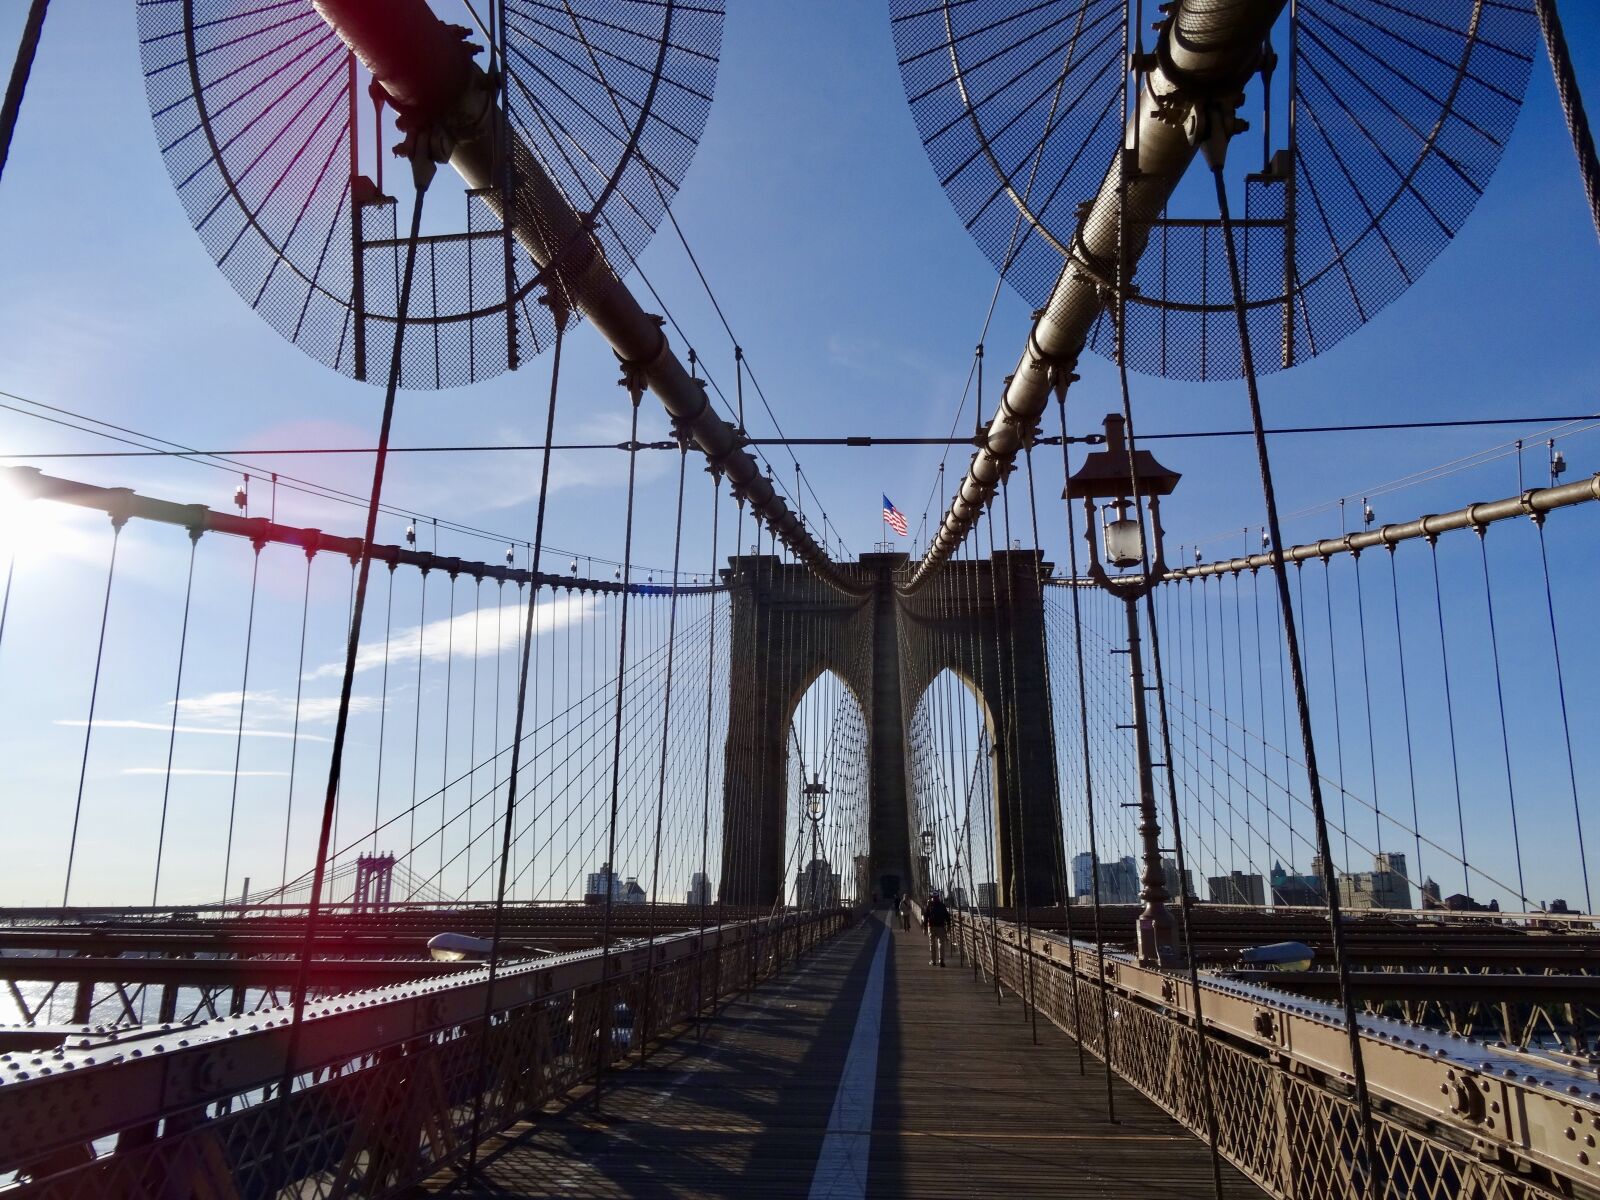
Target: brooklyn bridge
{"points": [[547, 800]]}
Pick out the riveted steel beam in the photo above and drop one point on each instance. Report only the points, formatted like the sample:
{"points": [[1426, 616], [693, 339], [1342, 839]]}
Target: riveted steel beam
{"points": [[1206, 52], [452, 112]]}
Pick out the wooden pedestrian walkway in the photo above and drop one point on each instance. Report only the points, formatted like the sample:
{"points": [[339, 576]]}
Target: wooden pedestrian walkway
{"points": [[802, 1090]]}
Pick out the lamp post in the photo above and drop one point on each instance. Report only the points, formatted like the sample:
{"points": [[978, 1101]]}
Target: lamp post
{"points": [[1105, 477], [927, 860], [816, 797]]}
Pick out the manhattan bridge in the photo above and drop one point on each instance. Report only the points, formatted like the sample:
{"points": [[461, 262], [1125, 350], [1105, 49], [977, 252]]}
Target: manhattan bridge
{"points": [[549, 874]]}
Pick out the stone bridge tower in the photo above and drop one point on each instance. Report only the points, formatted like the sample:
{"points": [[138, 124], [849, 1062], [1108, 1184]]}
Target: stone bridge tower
{"points": [[982, 620]]}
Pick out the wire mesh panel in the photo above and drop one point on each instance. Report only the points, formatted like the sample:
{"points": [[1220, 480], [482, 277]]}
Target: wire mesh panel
{"points": [[1381, 125], [274, 136]]}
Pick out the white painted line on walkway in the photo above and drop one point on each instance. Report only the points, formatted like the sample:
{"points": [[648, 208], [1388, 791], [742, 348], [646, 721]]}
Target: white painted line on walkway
{"points": [[841, 1172]]}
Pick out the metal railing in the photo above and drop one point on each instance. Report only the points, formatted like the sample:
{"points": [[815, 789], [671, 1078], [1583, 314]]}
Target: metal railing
{"points": [[1456, 1119], [389, 1085]]}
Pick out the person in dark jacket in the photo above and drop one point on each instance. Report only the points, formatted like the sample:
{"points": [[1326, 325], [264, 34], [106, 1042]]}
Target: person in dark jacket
{"points": [[936, 920]]}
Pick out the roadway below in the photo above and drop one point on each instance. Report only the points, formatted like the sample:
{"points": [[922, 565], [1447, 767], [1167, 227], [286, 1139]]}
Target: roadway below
{"points": [[866, 1072]]}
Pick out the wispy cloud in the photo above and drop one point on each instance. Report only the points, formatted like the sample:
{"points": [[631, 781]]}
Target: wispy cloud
{"points": [[197, 771], [164, 727], [498, 629], [267, 705], [499, 481]]}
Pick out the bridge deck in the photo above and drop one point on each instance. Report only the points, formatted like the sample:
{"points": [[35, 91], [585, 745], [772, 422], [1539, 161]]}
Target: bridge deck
{"points": [[794, 1094]]}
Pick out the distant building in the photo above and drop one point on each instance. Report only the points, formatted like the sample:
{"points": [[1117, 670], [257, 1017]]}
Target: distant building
{"points": [[1301, 890], [816, 886], [1385, 886], [1236, 887], [1119, 881], [699, 889], [957, 898], [1430, 894], [863, 879], [1169, 869], [1082, 874], [632, 893], [987, 893], [600, 884], [1461, 902]]}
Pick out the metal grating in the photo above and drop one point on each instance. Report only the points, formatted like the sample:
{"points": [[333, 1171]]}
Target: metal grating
{"points": [[1393, 114], [264, 122]]}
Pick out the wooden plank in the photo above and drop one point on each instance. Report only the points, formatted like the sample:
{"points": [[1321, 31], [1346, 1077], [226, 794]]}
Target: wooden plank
{"points": [[966, 1104]]}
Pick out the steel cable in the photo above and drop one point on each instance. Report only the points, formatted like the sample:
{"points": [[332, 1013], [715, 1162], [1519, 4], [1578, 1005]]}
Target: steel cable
{"points": [[1215, 150], [172, 732]]}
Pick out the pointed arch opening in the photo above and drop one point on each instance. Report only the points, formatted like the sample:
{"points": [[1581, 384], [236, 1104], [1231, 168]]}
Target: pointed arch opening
{"points": [[826, 794], [956, 827]]}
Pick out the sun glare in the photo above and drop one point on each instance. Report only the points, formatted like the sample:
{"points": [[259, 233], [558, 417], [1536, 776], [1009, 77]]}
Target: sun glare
{"points": [[33, 530]]}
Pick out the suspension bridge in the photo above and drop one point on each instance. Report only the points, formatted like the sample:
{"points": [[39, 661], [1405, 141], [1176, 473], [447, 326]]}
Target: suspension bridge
{"points": [[519, 870]]}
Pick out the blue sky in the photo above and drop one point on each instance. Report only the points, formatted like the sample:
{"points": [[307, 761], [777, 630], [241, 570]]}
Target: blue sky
{"points": [[849, 281]]}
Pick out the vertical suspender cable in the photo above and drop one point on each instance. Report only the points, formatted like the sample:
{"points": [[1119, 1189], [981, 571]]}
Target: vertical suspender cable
{"points": [[117, 522], [1338, 722], [635, 392], [1405, 708], [1566, 724], [1261, 707], [244, 699], [444, 756], [666, 730], [172, 731], [1500, 700], [294, 736], [1030, 978], [472, 732], [1180, 856], [422, 174], [1366, 692], [5, 603], [1060, 838], [702, 895], [383, 710], [1215, 149], [1450, 713], [1088, 777], [559, 311], [1139, 699], [416, 727], [1244, 737]]}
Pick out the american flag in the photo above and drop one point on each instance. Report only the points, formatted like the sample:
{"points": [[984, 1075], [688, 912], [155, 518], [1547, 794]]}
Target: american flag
{"points": [[895, 518]]}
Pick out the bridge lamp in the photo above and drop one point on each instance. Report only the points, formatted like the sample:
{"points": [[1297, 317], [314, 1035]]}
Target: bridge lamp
{"points": [[927, 857], [1114, 484], [815, 795], [1112, 492]]}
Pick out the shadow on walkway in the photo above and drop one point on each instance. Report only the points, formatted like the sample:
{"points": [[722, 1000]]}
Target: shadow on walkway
{"points": [[965, 1105]]}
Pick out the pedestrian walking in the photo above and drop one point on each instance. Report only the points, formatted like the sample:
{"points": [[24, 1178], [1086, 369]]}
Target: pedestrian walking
{"points": [[936, 920]]}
